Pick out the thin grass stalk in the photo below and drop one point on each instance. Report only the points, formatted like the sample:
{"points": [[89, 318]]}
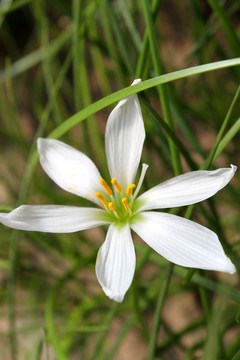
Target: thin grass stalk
{"points": [[37, 56], [111, 43], [158, 311], [176, 163], [227, 26], [76, 39], [14, 239], [143, 61], [4, 10], [119, 37]]}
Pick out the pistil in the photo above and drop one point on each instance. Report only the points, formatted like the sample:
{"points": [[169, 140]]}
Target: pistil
{"points": [[144, 169]]}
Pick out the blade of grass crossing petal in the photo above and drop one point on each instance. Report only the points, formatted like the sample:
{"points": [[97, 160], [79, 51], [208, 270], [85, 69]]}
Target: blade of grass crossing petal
{"points": [[118, 95]]}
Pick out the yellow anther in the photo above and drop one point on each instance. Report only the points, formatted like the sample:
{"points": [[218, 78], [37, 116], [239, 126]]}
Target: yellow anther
{"points": [[106, 187], [111, 206], [125, 203], [129, 189], [101, 198], [117, 185]]}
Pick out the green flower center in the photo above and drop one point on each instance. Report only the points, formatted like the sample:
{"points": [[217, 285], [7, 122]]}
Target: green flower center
{"points": [[120, 203]]}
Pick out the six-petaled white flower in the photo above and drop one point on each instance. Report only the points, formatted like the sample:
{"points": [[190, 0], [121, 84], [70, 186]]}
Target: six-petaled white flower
{"points": [[179, 240]]}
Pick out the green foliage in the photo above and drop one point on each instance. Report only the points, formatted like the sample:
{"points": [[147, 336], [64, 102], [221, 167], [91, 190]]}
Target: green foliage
{"points": [[64, 65]]}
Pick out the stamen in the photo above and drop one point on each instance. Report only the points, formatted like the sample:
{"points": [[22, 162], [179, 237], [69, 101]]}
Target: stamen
{"points": [[101, 198], [129, 189], [125, 203], [111, 207], [117, 185], [106, 187]]}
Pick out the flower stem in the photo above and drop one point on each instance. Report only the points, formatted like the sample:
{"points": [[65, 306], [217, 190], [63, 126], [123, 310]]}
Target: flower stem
{"points": [[138, 311], [158, 311]]}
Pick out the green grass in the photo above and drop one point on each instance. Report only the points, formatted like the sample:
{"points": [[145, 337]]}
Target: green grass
{"points": [[64, 66]]}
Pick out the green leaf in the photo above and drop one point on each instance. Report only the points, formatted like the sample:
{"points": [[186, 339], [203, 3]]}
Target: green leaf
{"points": [[147, 84], [237, 356]]}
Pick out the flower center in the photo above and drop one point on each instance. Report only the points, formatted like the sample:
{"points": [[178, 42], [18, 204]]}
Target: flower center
{"points": [[120, 202]]}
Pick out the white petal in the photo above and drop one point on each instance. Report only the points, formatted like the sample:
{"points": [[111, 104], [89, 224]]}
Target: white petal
{"points": [[185, 189], [182, 241], [53, 218], [124, 139], [116, 262], [69, 168]]}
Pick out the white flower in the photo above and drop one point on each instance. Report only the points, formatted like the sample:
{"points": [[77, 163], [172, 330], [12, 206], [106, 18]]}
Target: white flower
{"points": [[179, 240]]}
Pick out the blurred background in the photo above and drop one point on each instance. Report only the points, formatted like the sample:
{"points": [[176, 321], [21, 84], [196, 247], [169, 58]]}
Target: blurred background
{"points": [[56, 58]]}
